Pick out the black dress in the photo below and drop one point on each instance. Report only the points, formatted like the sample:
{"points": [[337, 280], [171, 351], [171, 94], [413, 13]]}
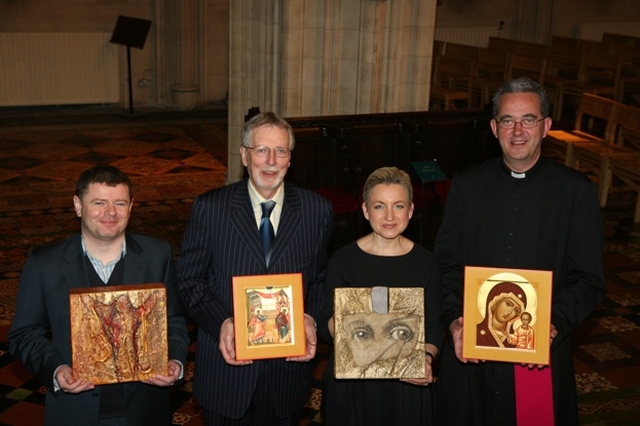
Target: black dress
{"points": [[380, 401]]}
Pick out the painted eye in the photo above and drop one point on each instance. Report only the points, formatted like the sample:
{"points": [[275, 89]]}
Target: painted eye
{"points": [[402, 333], [363, 333]]}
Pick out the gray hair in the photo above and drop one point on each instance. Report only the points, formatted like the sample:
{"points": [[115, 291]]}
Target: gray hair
{"points": [[266, 119], [521, 85]]}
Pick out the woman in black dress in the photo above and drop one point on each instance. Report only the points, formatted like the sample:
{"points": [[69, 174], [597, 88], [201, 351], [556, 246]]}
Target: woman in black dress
{"points": [[383, 258]]}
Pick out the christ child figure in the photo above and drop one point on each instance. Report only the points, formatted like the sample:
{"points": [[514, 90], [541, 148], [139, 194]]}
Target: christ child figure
{"points": [[523, 335]]}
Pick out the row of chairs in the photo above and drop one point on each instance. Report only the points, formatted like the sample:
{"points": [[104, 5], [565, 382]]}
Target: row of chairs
{"points": [[469, 75], [605, 142]]}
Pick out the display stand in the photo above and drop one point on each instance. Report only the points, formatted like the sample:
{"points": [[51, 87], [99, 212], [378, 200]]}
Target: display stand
{"points": [[130, 32]]}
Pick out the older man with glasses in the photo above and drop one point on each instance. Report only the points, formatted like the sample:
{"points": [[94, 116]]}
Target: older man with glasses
{"points": [[254, 227]]}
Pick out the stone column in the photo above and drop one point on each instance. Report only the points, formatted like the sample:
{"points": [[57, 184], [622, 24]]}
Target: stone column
{"points": [[327, 57], [186, 89]]}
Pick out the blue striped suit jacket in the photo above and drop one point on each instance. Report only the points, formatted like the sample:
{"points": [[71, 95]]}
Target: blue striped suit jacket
{"points": [[222, 241]]}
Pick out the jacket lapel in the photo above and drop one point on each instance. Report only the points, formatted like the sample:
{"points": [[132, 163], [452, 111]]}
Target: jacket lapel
{"points": [[76, 275], [136, 266], [242, 218], [290, 221], [73, 269]]}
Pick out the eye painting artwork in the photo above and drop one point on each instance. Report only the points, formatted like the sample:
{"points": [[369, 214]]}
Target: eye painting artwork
{"points": [[379, 340]]}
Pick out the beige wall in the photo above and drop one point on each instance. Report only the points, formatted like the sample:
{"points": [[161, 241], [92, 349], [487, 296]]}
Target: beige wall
{"points": [[157, 60], [160, 59], [327, 57], [534, 20]]}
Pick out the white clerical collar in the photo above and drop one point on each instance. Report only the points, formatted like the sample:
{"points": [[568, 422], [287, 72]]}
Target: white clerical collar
{"points": [[518, 175]]}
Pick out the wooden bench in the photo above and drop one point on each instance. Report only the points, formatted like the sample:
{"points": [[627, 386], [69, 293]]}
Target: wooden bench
{"points": [[627, 167], [599, 75], [597, 157], [594, 123]]}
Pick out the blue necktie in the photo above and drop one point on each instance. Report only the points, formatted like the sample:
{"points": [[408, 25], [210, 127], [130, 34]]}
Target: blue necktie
{"points": [[266, 230]]}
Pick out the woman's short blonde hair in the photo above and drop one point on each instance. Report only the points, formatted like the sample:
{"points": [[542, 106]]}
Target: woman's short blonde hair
{"points": [[387, 176]]}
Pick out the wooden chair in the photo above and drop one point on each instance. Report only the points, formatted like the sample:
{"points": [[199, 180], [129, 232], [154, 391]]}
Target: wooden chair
{"points": [[459, 50], [630, 91], [627, 169], [599, 75], [492, 63], [627, 126], [565, 42], [619, 39], [499, 43], [594, 123], [630, 61], [522, 62], [626, 166], [462, 53], [438, 48], [563, 66], [529, 60], [594, 46], [536, 49], [450, 75], [492, 68], [596, 157]]}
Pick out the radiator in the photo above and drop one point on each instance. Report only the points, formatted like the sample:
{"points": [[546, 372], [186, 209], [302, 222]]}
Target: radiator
{"points": [[472, 36], [594, 31], [58, 69]]}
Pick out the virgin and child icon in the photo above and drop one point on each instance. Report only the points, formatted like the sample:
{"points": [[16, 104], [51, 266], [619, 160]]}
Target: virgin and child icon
{"points": [[508, 312], [510, 309]]}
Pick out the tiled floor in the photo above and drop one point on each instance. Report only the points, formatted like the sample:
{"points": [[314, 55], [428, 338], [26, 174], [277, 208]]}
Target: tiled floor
{"points": [[38, 167]]}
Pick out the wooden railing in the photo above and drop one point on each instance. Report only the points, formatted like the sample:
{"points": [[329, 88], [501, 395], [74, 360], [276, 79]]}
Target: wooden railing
{"points": [[335, 154]]}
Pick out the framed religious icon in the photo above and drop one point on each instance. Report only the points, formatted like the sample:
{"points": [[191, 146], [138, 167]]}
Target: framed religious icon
{"points": [[119, 333], [379, 333], [507, 315], [268, 312]]}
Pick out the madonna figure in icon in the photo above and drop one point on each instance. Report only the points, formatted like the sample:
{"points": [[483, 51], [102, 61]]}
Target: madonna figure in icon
{"points": [[505, 302]]}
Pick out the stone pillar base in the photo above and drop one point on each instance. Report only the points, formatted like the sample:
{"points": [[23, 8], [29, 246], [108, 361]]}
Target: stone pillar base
{"points": [[185, 95]]}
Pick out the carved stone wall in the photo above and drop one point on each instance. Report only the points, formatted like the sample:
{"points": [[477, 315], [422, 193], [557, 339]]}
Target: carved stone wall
{"points": [[327, 57]]}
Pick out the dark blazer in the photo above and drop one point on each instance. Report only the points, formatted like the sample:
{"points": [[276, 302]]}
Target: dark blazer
{"points": [[43, 307], [222, 241]]}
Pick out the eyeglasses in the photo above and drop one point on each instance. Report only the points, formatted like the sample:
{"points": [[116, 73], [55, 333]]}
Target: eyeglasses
{"points": [[263, 151], [526, 123]]}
